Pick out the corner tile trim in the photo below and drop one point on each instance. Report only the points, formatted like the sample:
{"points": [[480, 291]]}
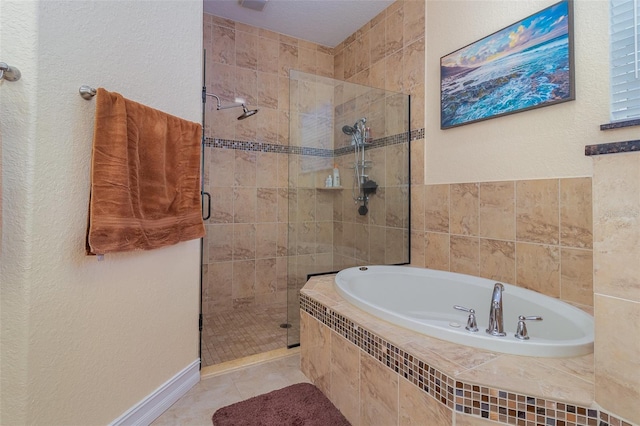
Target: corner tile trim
{"points": [[612, 148], [465, 398], [620, 124]]}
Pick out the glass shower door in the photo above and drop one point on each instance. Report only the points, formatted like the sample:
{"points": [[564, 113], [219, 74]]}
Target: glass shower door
{"points": [[364, 133]]}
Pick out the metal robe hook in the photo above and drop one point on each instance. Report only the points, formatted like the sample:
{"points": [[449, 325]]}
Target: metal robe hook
{"points": [[9, 73]]}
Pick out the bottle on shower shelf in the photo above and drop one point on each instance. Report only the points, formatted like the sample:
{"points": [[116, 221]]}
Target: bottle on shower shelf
{"points": [[328, 183], [336, 175], [367, 135]]}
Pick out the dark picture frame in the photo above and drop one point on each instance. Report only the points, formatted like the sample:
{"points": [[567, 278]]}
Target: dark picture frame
{"points": [[526, 65]]}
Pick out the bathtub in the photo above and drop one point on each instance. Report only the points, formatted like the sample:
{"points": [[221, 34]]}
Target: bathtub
{"points": [[422, 300]]}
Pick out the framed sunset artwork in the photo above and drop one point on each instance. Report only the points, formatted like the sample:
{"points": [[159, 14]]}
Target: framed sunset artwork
{"points": [[526, 65]]}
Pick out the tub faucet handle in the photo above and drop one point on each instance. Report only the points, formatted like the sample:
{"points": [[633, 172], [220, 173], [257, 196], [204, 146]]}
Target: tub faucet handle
{"points": [[472, 325], [521, 330]]}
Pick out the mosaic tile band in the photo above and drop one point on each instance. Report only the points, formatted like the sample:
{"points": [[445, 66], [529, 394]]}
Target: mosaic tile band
{"points": [[480, 401], [302, 150]]}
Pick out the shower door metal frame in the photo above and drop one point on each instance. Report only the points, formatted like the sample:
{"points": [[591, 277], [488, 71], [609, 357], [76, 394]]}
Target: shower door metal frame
{"points": [[202, 192]]}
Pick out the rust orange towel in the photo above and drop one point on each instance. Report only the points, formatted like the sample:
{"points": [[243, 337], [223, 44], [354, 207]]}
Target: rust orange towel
{"points": [[145, 178]]}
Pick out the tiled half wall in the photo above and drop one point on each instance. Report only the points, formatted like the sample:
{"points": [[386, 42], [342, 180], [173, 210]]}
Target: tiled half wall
{"points": [[376, 382]]}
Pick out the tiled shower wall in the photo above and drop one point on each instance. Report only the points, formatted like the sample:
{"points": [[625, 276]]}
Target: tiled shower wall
{"points": [[248, 182], [253, 64], [380, 236], [246, 243], [388, 53], [535, 234], [310, 235], [326, 233], [245, 246]]}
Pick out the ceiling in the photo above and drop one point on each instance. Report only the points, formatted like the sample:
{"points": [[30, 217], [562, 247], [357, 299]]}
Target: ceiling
{"points": [[326, 22]]}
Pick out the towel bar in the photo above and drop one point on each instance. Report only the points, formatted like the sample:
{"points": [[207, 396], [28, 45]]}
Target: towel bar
{"points": [[87, 92]]}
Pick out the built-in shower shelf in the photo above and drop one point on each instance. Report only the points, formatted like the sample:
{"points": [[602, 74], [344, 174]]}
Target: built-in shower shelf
{"points": [[331, 188]]}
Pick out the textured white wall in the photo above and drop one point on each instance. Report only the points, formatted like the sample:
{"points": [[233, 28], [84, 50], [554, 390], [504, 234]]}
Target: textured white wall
{"points": [[541, 143], [82, 340], [17, 38]]}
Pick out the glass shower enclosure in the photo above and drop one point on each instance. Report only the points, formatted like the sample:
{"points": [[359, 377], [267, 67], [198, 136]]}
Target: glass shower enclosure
{"points": [[348, 181]]}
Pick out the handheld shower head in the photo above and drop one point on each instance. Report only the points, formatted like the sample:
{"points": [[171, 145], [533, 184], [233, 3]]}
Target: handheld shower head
{"points": [[358, 127], [348, 130], [247, 112]]}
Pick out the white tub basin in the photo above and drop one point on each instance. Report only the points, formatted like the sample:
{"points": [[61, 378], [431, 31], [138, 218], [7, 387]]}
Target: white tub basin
{"points": [[422, 300]]}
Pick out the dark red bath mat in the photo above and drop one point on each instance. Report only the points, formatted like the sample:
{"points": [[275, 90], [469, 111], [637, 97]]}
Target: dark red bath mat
{"points": [[297, 405]]}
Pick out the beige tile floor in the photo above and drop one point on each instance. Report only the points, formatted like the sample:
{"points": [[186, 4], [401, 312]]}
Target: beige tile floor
{"points": [[198, 405], [241, 332]]}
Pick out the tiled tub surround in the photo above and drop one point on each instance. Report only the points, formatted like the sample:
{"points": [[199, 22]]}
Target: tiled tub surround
{"points": [[377, 373], [616, 225], [535, 234]]}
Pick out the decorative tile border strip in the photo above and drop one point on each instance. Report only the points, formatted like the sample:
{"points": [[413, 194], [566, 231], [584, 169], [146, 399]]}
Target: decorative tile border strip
{"points": [[385, 141], [247, 146], [302, 150], [480, 401]]}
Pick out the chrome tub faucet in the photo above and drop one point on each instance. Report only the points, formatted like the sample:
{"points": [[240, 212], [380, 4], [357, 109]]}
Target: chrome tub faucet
{"points": [[496, 323]]}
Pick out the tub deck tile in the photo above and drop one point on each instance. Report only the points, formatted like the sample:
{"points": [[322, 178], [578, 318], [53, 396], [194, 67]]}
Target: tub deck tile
{"points": [[501, 387]]}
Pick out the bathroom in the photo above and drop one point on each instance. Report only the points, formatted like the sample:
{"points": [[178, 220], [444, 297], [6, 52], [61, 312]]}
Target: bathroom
{"points": [[109, 333]]}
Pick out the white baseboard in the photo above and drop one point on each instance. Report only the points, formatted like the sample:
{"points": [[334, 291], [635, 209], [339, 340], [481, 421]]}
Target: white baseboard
{"points": [[157, 402]]}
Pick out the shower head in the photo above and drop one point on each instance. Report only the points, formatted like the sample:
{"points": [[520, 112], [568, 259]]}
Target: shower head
{"points": [[247, 112], [348, 130], [357, 127]]}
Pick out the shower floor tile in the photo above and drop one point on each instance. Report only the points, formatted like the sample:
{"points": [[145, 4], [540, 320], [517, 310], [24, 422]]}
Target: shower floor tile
{"points": [[244, 331]]}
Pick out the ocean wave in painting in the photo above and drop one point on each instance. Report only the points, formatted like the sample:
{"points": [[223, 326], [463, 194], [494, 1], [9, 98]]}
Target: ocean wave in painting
{"points": [[529, 78]]}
